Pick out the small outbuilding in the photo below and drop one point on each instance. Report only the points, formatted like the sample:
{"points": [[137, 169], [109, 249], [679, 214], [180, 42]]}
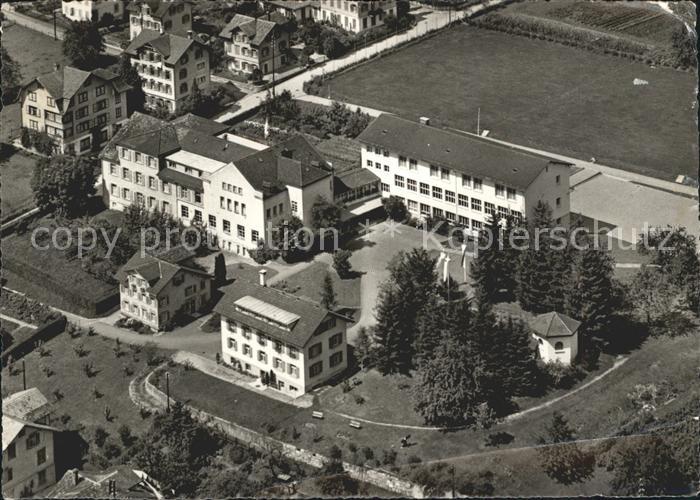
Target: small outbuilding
{"points": [[557, 337]]}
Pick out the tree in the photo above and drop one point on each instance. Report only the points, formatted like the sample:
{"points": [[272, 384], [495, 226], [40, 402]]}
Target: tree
{"points": [[648, 466], [675, 251], [485, 269], [341, 263], [328, 299], [591, 298], [324, 214], [544, 268], [563, 460], [175, 445], [412, 281], [82, 44], [364, 349], [229, 483], [392, 353], [518, 359], [449, 388], [64, 184], [288, 235], [10, 73], [136, 98], [652, 294], [220, 269], [395, 208], [685, 43]]}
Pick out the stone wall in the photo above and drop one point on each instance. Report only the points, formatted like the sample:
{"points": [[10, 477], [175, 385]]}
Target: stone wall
{"points": [[379, 478]]}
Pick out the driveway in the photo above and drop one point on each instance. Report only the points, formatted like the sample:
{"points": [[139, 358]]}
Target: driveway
{"points": [[371, 256]]}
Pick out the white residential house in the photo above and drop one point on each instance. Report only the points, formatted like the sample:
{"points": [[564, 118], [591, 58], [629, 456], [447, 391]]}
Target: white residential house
{"points": [[297, 343], [155, 287], [557, 337], [187, 168], [162, 16], [256, 43], [355, 16], [459, 177], [79, 110], [170, 67], [92, 10]]}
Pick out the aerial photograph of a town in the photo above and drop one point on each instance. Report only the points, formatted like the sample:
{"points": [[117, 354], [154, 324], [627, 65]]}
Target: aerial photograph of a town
{"points": [[333, 248]]}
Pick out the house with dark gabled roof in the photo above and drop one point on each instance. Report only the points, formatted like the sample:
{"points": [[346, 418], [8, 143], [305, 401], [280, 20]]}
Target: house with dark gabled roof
{"points": [[557, 337], [461, 177], [161, 16], [254, 44], [157, 286], [170, 66], [79, 110], [292, 343]]}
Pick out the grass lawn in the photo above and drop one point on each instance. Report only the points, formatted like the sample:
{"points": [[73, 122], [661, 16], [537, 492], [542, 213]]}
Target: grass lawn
{"points": [[308, 282], [50, 264], [78, 399], [246, 272], [16, 194], [8, 325], [232, 402], [538, 94], [36, 53], [597, 411]]}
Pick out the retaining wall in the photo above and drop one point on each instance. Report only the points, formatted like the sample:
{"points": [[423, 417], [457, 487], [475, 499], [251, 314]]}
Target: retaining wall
{"points": [[264, 443]]}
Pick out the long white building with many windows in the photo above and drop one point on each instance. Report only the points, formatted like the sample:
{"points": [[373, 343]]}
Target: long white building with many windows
{"points": [[187, 168], [292, 343], [462, 178]]}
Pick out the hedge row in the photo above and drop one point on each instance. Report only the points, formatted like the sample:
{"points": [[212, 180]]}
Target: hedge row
{"points": [[73, 301], [595, 41]]}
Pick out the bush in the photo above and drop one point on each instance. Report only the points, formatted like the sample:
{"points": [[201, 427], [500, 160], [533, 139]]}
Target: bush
{"points": [[341, 263], [561, 376], [100, 436], [338, 485], [263, 253]]}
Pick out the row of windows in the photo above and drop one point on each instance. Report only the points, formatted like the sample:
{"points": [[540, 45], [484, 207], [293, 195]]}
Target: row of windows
{"points": [[426, 211], [232, 206], [247, 333], [333, 342], [279, 210], [277, 363]]}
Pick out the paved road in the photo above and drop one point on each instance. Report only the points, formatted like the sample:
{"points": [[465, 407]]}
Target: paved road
{"points": [[432, 21]]}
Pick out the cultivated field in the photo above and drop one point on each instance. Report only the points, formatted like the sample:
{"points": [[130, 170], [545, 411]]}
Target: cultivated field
{"points": [[540, 94], [16, 170], [634, 20]]}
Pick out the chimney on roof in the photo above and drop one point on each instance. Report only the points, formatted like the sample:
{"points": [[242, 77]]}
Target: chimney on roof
{"points": [[262, 274], [75, 477], [424, 120], [57, 66], [189, 34]]}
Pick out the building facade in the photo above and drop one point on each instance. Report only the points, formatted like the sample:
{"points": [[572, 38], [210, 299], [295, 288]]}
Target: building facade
{"points": [[92, 10], [458, 177], [28, 462], [79, 110], [294, 343], [256, 44], [186, 168], [155, 288], [170, 67], [355, 16], [162, 16], [301, 10], [557, 337]]}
